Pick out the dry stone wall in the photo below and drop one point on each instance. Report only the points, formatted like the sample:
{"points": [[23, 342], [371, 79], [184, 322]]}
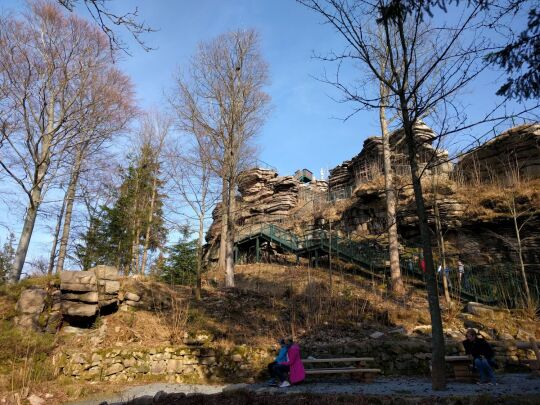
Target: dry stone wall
{"points": [[174, 364], [242, 363]]}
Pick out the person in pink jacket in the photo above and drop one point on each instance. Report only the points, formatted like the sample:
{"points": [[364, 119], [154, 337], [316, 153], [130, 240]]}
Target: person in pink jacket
{"points": [[293, 365]]}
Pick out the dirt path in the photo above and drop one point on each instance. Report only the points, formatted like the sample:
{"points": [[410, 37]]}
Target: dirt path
{"points": [[397, 387]]}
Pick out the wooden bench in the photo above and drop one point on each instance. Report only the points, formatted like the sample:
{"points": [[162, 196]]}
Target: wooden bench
{"points": [[462, 366], [359, 369]]}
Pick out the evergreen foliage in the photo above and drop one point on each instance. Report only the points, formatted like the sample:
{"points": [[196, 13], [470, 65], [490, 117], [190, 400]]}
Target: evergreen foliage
{"points": [[180, 267], [117, 234], [7, 254]]}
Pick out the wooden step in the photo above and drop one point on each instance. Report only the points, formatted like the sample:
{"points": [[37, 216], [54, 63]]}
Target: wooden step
{"points": [[338, 360], [342, 370]]}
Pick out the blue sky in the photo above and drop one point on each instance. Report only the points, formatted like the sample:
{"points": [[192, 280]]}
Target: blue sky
{"points": [[303, 129], [300, 131]]}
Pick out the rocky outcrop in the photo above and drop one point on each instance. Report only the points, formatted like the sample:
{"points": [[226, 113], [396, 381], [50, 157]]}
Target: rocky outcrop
{"points": [[137, 294], [368, 164], [264, 198], [39, 309], [512, 153], [108, 284], [84, 292], [79, 293]]}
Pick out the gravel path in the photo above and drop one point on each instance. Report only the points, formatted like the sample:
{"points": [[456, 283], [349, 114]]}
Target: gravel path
{"points": [[508, 384], [150, 390]]}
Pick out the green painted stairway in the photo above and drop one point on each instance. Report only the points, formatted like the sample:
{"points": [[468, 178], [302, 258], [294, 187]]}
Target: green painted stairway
{"points": [[487, 288]]}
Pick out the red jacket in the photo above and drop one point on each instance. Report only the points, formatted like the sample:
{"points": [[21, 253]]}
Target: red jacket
{"points": [[297, 372]]}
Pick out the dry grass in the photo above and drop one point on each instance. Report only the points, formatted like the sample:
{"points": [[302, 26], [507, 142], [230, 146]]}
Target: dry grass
{"points": [[490, 200]]}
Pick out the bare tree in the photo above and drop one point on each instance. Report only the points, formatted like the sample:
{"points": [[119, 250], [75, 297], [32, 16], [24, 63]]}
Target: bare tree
{"points": [[48, 62], [421, 81], [107, 107], [382, 60], [193, 179], [222, 97], [105, 19]]}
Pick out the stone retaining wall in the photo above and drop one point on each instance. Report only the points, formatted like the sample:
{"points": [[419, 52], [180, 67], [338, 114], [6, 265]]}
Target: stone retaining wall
{"points": [[242, 363], [175, 364]]}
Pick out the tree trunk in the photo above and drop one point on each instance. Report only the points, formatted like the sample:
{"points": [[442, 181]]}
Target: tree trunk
{"points": [[56, 235], [437, 341], [149, 226], [200, 241], [223, 235], [520, 252], [229, 253], [440, 242], [24, 241], [393, 243], [70, 200]]}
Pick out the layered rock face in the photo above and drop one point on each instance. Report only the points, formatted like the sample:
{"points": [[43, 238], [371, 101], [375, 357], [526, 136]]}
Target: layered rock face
{"points": [[84, 292], [358, 183], [82, 295], [369, 162], [512, 153], [264, 198]]}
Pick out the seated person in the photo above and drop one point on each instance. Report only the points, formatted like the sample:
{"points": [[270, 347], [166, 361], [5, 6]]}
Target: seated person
{"points": [[280, 358], [293, 366], [482, 353]]}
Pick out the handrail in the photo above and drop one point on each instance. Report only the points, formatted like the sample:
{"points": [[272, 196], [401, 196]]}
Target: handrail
{"points": [[480, 284]]}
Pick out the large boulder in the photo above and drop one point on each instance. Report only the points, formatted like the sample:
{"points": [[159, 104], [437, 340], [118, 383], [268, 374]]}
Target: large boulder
{"points": [[485, 311], [78, 281], [79, 309], [108, 284], [31, 301], [29, 308]]}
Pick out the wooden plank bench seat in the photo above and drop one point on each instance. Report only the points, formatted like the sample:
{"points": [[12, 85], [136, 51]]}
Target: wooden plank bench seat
{"points": [[462, 366], [359, 369]]}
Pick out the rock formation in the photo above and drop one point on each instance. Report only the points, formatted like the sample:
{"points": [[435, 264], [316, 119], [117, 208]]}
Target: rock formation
{"points": [[516, 151], [85, 292], [82, 295], [368, 163], [264, 198]]}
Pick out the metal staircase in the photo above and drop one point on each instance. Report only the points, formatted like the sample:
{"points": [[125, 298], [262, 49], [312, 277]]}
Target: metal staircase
{"points": [[316, 244]]}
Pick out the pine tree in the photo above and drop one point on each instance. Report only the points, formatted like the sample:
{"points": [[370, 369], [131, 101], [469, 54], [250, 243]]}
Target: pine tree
{"points": [[117, 235], [180, 267], [7, 254]]}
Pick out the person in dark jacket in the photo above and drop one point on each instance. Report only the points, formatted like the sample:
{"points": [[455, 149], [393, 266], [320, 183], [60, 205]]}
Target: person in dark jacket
{"points": [[281, 357], [482, 354]]}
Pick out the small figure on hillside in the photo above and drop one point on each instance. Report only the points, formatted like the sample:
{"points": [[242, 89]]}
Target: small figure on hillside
{"points": [[461, 272], [293, 366], [446, 274], [280, 358], [482, 353]]}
